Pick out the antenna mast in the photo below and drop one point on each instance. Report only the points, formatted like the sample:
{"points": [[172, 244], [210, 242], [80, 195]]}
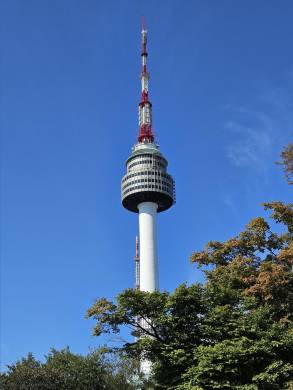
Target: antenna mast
{"points": [[137, 265], [145, 106]]}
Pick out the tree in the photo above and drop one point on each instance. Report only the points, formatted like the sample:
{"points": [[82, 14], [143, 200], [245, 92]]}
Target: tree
{"points": [[287, 162], [29, 373], [234, 331], [64, 370], [252, 281]]}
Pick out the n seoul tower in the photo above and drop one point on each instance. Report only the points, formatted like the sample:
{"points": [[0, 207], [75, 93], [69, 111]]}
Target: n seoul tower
{"points": [[147, 188]]}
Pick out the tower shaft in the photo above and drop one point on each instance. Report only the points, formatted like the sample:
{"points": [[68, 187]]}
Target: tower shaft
{"points": [[149, 280]]}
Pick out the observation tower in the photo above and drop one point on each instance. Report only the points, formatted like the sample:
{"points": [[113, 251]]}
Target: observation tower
{"points": [[147, 188]]}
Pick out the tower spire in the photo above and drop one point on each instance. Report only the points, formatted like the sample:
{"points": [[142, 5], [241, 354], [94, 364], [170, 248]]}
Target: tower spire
{"points": [[145, 106]]}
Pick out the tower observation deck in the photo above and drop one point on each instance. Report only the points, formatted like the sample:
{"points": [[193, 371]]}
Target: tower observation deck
{"points": [[147, 179], [147, 188]]}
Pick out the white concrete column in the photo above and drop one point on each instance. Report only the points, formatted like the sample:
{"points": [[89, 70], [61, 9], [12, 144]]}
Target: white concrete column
{"points": [[149, 278]]}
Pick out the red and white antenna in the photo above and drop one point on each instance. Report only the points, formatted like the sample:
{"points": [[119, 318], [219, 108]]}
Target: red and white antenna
{"points": [[137, 265], [145, 106]]}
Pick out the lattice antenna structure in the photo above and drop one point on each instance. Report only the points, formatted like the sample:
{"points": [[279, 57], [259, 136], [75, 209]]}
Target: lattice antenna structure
{"points": [[136, 260]]}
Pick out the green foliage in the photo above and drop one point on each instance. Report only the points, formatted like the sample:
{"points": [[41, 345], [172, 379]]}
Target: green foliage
{"points": [[287, 162], [64, 370], [233, 332]]}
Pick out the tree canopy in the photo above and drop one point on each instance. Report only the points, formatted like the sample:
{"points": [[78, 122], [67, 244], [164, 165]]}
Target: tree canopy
{"points": [[64, 370], [232, 332]]}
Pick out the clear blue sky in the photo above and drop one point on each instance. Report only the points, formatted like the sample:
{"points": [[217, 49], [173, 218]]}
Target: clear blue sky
{"points": [[221, 88]]}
